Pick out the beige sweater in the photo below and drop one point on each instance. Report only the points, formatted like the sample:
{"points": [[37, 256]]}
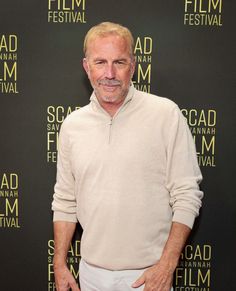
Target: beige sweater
{"points": [[126, 178]]}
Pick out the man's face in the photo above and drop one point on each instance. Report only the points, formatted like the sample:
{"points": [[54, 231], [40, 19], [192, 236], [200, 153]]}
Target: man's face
{"points": [[110, 67]]}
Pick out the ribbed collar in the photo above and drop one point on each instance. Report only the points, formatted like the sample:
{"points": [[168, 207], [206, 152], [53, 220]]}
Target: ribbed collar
{"points": [[128, 98]]}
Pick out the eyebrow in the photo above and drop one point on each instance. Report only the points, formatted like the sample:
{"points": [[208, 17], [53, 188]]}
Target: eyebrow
{"points": [[115, 60], [121, 60]]}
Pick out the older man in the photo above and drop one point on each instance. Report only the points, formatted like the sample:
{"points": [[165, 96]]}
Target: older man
{"points": [[127, 171]]}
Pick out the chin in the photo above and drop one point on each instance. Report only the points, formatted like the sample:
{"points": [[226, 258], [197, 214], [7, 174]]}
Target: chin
{"points": [[110, 99]]}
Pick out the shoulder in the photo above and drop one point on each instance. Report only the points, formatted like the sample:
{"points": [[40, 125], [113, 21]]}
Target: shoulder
{"points": [[75, 118], [77, 115], [155, 102]]}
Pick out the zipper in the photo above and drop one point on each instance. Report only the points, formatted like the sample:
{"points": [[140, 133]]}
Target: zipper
{"points": [[110, 129], [94, 99]]}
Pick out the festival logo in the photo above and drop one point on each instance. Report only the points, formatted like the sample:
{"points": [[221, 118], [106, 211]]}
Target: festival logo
{"points": [[66, 11], [73, 260], [9, 200], [203, 12], [143, 54], [202, 124], [8, 64], [55, 117], [194, 269]]}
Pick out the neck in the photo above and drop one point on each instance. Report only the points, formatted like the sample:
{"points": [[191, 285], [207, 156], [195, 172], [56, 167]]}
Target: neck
{"points": [[111, 108]]}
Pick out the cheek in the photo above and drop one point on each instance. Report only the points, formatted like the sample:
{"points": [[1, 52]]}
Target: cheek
{"points": [[127, 77], [95, 75]]}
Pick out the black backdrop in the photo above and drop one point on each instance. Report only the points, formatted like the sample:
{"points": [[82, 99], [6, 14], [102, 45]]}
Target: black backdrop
{"points": [[185, 51]]}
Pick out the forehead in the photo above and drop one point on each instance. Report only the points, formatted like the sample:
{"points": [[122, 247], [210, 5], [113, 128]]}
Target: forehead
{"points": [[109, 45]]}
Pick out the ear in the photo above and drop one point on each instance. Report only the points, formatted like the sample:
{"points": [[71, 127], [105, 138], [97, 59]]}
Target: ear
{"points": [[85, 65], [133, 65]]}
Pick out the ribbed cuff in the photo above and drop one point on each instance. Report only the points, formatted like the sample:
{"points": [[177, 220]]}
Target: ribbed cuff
{"points": [[62, 216], [184, 217]]}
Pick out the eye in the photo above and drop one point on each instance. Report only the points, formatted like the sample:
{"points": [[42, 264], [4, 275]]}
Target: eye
{"points": [[120, 63], [99, 62]]}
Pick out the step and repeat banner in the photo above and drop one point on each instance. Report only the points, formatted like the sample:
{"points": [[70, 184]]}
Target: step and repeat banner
{"points": [[185, 51]]}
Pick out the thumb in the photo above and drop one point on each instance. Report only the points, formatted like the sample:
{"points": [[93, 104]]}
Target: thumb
{"points": [[75, 288], [140, 281]]}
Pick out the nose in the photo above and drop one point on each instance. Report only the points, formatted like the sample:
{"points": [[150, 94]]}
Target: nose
{"points": [[110, 71]]}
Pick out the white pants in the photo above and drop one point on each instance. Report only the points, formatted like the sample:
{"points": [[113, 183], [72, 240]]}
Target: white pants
{"points": [[97, 279]]}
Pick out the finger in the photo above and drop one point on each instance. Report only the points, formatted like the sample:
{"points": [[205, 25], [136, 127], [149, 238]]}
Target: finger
{"points": [[139, 282], [62, 287], [74, 286]]}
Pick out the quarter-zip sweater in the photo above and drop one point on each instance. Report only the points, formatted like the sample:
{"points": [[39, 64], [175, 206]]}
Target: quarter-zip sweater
{"points": [[126, 179]]}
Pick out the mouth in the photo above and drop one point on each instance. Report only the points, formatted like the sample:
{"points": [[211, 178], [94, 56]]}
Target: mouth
{"points": [[109, 88], [109, 85]]}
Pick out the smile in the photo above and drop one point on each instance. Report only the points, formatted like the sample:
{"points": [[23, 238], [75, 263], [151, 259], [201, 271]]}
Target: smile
{"points": [[109, 88]]}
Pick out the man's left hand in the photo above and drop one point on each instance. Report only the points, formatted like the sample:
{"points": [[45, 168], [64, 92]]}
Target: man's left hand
{"points": [[156, 278]]}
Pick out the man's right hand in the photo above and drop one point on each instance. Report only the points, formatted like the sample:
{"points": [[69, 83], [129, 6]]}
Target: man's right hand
{"points": [[63, 233], [64, 279]]}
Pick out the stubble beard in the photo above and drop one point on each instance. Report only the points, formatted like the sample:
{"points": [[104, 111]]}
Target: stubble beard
{"points": [[110, 98]]}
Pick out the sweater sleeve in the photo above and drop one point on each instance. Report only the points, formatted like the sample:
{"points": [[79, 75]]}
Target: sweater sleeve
{"points": [[183, 173], [64, 202]]}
